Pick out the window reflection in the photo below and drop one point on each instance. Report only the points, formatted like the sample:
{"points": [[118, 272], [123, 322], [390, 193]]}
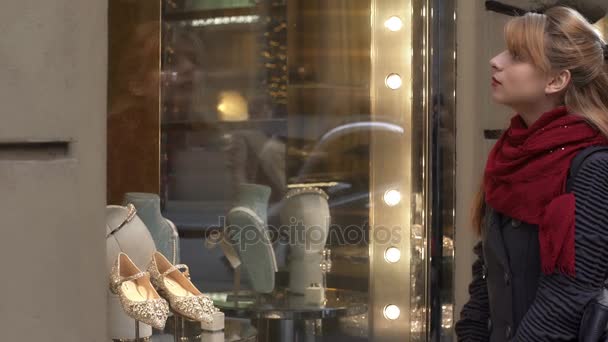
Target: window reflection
{"points": [[266, 122], [236, 116], [288, 127]]}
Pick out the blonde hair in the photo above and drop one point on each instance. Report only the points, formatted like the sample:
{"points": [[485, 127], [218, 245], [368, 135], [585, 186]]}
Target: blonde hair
{"points": [[561, 39]]}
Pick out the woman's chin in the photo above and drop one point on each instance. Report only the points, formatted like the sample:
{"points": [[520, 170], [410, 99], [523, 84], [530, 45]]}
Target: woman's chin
{"points": [[496, 98]]}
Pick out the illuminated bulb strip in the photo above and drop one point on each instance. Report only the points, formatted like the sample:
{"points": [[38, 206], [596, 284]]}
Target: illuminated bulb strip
{"points": [[393, 81], [393, 24], [242, 19], [392, 255], [392, 197], [392, 312]]}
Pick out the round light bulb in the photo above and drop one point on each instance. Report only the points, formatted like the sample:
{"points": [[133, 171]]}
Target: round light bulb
{"points": [[393, 23], [392, 312], [393, 81], [392, 255], [392, 197]]}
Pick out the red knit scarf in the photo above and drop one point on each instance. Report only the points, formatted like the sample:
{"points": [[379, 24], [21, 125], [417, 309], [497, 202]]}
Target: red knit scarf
{"points": [[525, 179]]}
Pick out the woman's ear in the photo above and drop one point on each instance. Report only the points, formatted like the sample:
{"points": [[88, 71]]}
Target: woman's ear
{"points": [[558, 82]]}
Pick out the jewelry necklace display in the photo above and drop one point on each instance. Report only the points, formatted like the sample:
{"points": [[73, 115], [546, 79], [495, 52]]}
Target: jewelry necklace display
{"points": [[131, 212]]}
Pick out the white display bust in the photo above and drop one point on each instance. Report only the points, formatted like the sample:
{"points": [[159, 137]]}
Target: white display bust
{"points": [[306, 212]]}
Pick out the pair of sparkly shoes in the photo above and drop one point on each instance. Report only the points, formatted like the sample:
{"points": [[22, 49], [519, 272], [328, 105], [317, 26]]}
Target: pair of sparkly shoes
{"points": [[144, 295]]}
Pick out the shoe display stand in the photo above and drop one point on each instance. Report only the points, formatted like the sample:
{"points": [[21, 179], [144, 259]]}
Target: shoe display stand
{"points": [[137, 332]]}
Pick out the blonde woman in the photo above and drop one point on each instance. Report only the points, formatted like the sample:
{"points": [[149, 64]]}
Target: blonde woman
{"points": [[543, 223]]}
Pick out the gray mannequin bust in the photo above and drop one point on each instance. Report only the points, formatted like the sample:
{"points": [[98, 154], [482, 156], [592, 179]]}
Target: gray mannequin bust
{"points": [[247, 230], [162, 230]]}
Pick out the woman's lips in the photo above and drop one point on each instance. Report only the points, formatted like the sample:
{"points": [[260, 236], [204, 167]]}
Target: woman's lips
{"points": [[495, 81]]}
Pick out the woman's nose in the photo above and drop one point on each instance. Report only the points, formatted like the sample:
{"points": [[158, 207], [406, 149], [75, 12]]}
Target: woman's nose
{"points": [[494, 64]]}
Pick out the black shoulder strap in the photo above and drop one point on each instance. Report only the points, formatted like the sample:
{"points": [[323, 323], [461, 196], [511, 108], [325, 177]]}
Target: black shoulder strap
{"points": [[578, 161]]}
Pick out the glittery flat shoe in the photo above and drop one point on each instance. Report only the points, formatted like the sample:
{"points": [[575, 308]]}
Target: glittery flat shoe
{"points": [[184, 298], [137, 295]]}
